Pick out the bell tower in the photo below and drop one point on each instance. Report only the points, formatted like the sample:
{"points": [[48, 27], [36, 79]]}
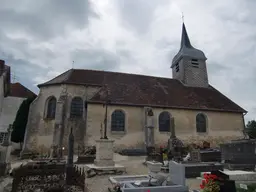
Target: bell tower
{"points": [[189, 64]]}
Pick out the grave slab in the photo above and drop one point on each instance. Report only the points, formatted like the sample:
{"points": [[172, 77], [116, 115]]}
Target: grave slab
{"points": [[115, 167], [128, 179], [241, 175]]}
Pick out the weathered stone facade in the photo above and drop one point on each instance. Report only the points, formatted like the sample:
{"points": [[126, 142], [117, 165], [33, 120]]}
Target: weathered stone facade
{"points": [[190, 74], [40, 131]]}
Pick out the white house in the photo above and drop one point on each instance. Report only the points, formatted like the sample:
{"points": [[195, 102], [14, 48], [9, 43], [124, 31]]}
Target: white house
{"points": [[11, 96]]}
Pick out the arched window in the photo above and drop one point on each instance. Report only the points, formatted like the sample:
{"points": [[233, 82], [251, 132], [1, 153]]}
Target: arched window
{"points": [[118, 121], [76, 109], [51, 107], [164, 122], [201, 123]]}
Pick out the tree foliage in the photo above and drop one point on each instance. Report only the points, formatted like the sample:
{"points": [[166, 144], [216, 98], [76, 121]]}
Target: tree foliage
{"points": [[20, 122], [251, 128]]}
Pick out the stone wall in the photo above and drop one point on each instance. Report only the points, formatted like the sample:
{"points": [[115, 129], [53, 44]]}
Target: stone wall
{"points": [[191, 75], [40, 130], [221, 126]]}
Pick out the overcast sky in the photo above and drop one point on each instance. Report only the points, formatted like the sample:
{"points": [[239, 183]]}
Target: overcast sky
{"points": [[41, 38]]}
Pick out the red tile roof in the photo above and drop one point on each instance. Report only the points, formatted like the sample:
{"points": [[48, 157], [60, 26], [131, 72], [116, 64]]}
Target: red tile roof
{"points": [[131, 89], [18, 90]]}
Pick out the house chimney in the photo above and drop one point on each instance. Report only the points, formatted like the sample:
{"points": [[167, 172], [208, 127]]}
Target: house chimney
{"points": [[2, 66]]}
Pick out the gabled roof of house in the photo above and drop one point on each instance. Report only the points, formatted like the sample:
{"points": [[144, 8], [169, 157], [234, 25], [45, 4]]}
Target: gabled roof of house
{"points": [[141, 90], [18, 90]]}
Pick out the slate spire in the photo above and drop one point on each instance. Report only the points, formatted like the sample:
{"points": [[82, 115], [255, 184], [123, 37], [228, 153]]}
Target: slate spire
{"points": [[186, 49], [185, 42]]}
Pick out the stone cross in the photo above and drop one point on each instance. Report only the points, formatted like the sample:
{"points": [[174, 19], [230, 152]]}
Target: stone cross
{"points": [[70, 148], [69, 165]]}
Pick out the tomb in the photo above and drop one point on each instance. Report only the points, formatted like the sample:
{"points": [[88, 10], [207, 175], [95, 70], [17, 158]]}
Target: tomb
{"points": [[193, 170], [156, 181], [86, 155], [239, 154]]}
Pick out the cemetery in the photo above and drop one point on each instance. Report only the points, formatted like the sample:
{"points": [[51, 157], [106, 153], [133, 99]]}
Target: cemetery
{"points": [[172, 168]]}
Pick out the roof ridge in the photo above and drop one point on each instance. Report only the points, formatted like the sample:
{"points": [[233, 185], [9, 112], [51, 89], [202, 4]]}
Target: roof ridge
{"points": [[116, 72], [65, 72]]}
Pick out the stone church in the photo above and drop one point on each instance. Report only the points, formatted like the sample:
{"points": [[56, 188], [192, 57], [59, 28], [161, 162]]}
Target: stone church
{"points": [[85, 100]]}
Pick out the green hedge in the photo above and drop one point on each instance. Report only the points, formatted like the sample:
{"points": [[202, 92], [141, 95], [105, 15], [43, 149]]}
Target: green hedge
{"points": [[20, 122]]}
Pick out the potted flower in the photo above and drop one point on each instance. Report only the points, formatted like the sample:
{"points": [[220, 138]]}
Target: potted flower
{"points": [[210, 183]]}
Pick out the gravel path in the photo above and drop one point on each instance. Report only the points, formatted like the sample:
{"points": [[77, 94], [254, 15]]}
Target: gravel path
{"points": [[133, 166]]}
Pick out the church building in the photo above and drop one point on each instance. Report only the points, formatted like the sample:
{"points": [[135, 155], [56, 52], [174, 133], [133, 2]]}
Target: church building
{"points": [[84, 99]]}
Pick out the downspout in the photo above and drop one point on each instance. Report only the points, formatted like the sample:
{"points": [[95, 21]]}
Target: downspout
{"points": [[244, 131], [243, 119]]}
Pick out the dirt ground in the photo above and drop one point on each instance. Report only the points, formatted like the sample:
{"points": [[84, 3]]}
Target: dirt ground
{"points": [[133, 166], [101, 183]]}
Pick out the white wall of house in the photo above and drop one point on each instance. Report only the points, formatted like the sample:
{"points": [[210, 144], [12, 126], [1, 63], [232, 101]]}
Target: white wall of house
{"points": [[9, 109]]}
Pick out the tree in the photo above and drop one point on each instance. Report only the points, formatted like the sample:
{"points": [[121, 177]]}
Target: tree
{"points": [[20, 122], [251, 129]]}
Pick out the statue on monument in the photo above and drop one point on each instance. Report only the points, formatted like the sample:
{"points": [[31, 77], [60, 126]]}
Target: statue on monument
{"points": [[149, 130]]}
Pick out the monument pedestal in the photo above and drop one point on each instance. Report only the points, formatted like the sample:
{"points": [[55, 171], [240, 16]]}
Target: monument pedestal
{"points": [[105, 157], [104, 152]]}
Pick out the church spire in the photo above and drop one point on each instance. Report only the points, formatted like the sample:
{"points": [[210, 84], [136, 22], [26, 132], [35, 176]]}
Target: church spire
{"points": [[189, 64], [185, 42], [186, 49]]}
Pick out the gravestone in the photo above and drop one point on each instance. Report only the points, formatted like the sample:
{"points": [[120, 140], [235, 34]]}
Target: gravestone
{"points": [[177, 173], [195, 155], [69, 165]]}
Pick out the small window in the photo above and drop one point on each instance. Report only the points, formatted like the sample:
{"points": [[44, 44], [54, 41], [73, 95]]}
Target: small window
{"points": [[51, 107], [118, 121], [164, 122], [177, 67], [76, 109], [195, 63], [201, 123]]}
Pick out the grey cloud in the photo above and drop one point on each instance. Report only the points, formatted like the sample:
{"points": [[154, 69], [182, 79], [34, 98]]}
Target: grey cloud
{"points": [[44, 20], [138, 14], [215, 68], [95, 59], [23, 71]]}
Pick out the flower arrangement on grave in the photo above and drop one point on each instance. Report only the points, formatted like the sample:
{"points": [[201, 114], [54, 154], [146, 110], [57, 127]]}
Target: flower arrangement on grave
{"points": [[210, 183], [164, 150]]}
